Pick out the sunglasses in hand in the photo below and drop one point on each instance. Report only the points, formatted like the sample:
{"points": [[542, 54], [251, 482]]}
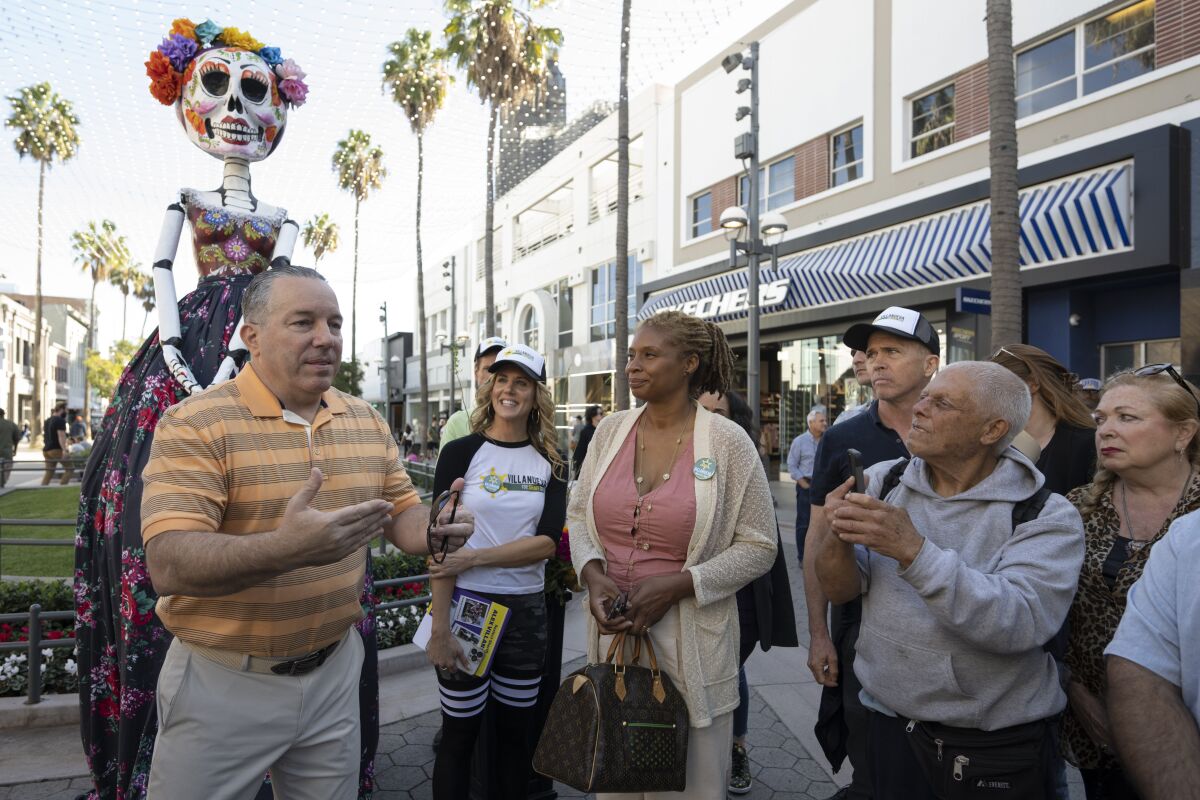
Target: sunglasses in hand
{"points": [[438, 549]]}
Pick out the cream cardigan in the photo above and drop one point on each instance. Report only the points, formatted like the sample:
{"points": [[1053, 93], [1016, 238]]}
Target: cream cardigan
{"points": [[732, 544]]}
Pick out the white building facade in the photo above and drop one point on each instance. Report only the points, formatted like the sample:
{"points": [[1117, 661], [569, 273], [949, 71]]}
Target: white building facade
{"points": [[554, 275]]}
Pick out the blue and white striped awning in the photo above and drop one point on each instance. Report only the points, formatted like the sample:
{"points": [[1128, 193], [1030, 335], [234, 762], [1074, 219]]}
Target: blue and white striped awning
{"points": [[1082, 216]]}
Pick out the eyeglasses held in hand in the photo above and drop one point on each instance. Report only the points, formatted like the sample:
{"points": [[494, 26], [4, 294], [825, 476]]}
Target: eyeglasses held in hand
{"points": [[1155, 369], [449, 497]]}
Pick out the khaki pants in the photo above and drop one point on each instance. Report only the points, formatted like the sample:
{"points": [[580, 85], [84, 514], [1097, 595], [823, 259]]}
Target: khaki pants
{"points": [[52, 458], [709, 748], [221, 730]]}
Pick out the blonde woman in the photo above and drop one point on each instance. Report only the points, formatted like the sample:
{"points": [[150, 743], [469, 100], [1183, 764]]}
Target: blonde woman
{"points": [[672, 510], [514, 474], [1148, 453]]}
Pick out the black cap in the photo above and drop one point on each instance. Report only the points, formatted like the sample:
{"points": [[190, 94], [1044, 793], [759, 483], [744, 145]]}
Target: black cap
{"points": [[897, 321]]}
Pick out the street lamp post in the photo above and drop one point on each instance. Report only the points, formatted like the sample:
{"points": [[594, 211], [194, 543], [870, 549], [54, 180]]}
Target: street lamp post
{"points": [[746, 149], [448, 272], [387, 374]]}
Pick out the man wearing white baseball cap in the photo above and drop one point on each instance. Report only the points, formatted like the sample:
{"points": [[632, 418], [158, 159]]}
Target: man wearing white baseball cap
{"points": [[903, 352], [459, 424], [531, 362]]}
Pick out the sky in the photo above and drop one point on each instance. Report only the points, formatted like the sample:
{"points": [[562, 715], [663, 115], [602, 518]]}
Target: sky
{"points": [[134, 157]]}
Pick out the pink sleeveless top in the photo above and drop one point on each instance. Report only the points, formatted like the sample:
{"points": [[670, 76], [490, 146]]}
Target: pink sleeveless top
{"points": [[645, 536]]}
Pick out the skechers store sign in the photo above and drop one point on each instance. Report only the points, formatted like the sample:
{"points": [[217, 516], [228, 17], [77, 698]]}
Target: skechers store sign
{"points": [[730, 303], [1081, 216]]}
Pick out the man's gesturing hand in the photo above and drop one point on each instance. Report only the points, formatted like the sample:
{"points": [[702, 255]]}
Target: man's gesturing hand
{"points": [[326, 537], [880, 527]]}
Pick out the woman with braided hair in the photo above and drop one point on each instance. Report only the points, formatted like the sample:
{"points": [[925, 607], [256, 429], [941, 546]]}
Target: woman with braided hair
{"points": [[672, 513]]}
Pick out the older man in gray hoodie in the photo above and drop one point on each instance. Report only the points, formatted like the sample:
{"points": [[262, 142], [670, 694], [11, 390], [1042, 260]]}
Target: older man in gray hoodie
{"points": [[966, 566]]}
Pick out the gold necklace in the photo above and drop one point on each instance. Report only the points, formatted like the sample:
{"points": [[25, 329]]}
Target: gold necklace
{"points": [[641, 447]]}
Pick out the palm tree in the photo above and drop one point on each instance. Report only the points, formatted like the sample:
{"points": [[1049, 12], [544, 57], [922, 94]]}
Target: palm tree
{"points": [[504, 54], [322, 235], [1002, 158], [127, 278], [417, 79], [620, 380], [46, 130], [359, 167], [145, 293], [101, 252]]}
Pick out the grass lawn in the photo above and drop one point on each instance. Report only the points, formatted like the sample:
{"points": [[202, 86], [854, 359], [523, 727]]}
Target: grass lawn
{"points": [[35, 561]]}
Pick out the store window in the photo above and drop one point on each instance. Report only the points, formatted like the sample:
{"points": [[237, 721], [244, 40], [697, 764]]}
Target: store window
{"points": [[818, 371], [598, 390], [1121, 356], [932, 121], [1046, 75]]}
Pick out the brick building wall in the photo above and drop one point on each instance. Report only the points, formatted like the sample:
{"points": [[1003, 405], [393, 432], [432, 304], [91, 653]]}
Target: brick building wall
{"points": [[812, 167]]}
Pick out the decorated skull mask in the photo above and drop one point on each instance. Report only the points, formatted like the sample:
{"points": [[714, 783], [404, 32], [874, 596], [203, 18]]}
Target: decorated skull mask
{"points": [[230, 104]]}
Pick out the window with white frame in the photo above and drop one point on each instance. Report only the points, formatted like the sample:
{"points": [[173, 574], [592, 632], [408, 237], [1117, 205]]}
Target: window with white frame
{"points": [[479, 258], [1094, 55], [776, 185], [932, 121], [564, 297], [603, 317], [530, 327], [1118, 46], [846, 156], [702, 216]]}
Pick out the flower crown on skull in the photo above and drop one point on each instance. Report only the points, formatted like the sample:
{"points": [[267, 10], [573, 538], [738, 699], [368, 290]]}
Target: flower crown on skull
{"points": [[169, 63]]}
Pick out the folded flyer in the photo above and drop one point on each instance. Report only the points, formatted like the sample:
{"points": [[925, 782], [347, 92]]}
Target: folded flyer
{"points": [[476, 624]]}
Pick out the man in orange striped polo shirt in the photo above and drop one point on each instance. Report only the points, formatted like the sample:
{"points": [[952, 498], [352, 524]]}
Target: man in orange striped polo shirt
{"points": [[259, 499]]}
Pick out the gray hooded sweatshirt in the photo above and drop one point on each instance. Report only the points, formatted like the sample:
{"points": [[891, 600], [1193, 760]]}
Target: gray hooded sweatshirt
{"points": [[957, 637]]}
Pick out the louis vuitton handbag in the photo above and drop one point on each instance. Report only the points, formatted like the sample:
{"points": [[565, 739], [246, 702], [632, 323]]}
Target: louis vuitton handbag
{"points": [[616, 727]]}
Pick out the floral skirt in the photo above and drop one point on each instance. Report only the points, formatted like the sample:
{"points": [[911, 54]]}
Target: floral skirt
{"points": [[121, 642]]}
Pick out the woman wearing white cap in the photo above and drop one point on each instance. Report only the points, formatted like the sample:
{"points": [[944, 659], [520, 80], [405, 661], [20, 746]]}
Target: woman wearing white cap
{"points": [[514, 474]]}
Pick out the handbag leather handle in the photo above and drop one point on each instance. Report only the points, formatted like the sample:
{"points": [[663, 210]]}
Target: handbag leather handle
{"points": [[616, 649], [649, 651]]}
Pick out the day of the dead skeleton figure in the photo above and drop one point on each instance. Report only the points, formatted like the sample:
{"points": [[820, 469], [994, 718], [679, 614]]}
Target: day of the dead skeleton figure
{"points": [[232, 95]]}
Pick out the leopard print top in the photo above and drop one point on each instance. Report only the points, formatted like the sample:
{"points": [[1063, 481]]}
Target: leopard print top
{"points": [[1097, 611]]}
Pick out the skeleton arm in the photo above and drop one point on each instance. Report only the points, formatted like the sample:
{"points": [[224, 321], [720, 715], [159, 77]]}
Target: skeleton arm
{"points": [[281, 256], [167, 301]]}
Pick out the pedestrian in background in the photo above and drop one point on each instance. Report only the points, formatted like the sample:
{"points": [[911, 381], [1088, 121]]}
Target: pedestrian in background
{"points": [[592, 417], [800, 460], [862, 376], [459, 424], [54, 445], [966, 566], [766, 616], [9, 438], [1148, 452], [902, 354], [673, 511], [1089, 392]]}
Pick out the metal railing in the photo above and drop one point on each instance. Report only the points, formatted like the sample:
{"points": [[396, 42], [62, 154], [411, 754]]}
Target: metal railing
{"points": [[604, 202], [531, 240], [33, 660], [35, 643]]}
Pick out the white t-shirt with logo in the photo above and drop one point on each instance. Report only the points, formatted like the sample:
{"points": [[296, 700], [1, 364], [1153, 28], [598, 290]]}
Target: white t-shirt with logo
{"points": [[513, 493]]}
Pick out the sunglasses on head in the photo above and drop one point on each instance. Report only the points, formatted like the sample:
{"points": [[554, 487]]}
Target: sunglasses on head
{"points": [[447, 498], [1156, 369]]}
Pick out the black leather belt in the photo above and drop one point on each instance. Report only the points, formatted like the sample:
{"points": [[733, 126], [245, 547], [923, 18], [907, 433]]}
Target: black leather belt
{"points": [[304, 664]]}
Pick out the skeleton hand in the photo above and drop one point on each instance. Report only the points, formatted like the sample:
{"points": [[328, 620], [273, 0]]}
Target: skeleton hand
{"points": [[233, 362], [179, 369]]}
